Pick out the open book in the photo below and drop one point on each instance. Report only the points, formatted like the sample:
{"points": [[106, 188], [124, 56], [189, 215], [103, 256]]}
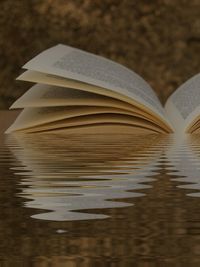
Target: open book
{"points": [[75, 88]]}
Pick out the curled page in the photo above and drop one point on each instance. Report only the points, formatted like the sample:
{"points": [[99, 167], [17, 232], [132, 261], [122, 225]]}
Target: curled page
{"points": [[72, 63], [183, 106]]}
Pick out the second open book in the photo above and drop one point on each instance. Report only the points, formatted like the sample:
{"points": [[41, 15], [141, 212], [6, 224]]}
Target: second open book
{"points": [[76, 89]]}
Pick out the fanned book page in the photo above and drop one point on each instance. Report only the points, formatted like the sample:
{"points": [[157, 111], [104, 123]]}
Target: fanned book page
{"points": [[75, 88], [183, 106]]}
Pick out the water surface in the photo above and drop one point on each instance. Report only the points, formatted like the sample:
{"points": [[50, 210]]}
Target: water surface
{"points": [[99, 200]]}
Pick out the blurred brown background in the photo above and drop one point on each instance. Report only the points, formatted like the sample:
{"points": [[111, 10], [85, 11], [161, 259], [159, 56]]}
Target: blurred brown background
{"points": [[160, 40]]}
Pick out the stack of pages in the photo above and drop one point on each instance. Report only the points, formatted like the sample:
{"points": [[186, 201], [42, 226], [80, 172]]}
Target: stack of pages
{"points": [[75, 88]]}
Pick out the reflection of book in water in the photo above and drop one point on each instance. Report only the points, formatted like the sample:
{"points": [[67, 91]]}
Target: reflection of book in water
{"points": [[185, 163], [65, 174], [76, 89]]}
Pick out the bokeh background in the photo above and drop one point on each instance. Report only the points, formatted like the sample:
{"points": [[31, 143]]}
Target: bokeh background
{"points": [[160, 40]]}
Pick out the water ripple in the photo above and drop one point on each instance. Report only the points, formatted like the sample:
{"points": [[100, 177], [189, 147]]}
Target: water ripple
{"points": [[65, 175], [183, 155]]}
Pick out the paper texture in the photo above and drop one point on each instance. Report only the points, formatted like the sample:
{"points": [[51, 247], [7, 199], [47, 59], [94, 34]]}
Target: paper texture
{"points": [[42, 95], [31, 117], [95, 119], [183, 106], [68, 62]]}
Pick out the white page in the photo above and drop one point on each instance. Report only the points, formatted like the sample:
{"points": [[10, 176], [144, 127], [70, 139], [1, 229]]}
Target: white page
{"points": [[42, 95], [52, 80], [183, 106], [68, 62]]}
